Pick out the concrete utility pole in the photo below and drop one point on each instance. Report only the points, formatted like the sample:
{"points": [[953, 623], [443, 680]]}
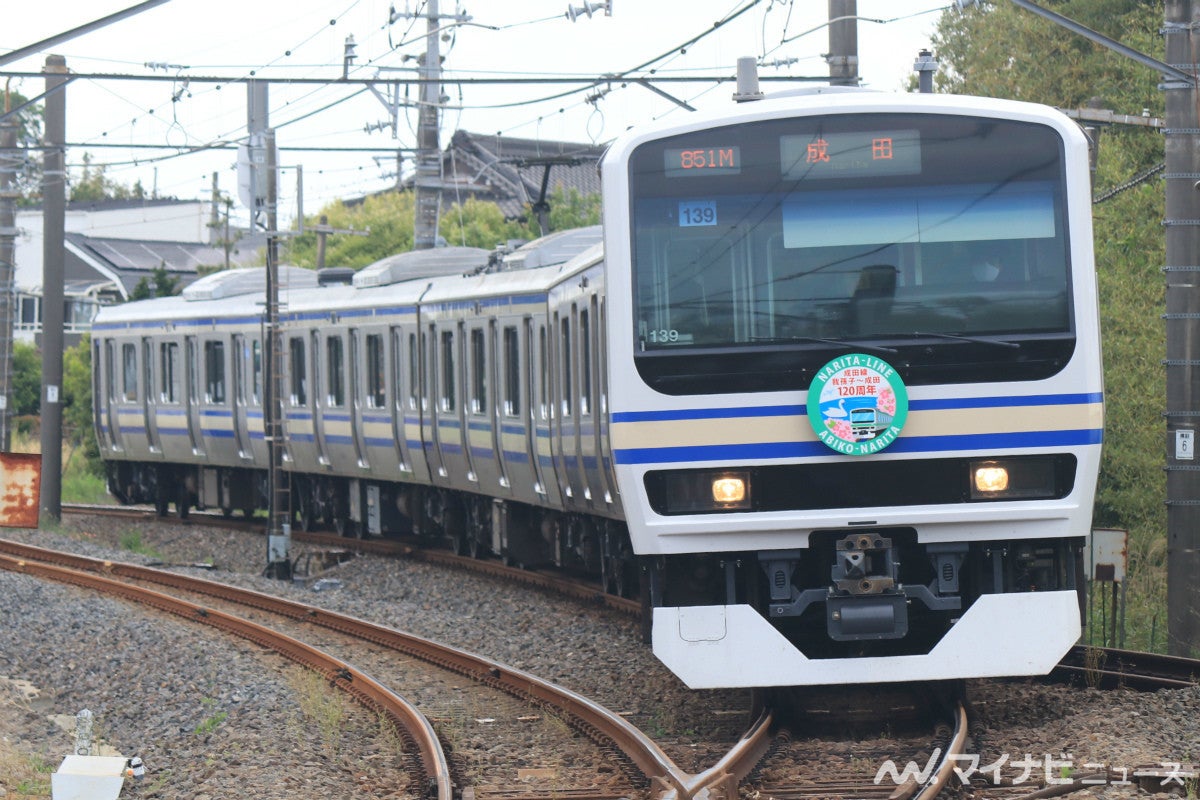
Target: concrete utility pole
{"points": [[279, 524], [54, 207], [1182, 223], [10, 164], [429, 153], [843, 43]]}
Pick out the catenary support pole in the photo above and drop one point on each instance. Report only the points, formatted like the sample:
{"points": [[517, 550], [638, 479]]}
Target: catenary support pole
{"points": [[1182, 224], [54, 207]]}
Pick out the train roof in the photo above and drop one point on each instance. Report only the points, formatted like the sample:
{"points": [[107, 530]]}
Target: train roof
{"points": [[449, 275], [418, 264], [253, 280]]}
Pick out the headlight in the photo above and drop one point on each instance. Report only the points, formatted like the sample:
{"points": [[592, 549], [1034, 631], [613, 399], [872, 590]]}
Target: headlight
{"points": [[706, 491], [728, 490], [1013, 479]]}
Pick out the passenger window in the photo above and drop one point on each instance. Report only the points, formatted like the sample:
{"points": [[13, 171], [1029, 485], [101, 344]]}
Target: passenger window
{"points": [[256, 358], [478, 372], [170, 375], [512, 373], [376, 392], [447, 398], [129, 373], [214, 372], [299, 376], [585, 363], [565, 363], [335, 395]]}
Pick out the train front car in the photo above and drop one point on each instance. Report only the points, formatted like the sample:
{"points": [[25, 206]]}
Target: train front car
{"points": [[856, 386]]}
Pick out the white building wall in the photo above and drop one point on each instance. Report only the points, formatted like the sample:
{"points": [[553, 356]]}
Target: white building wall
{"points": [[177, 222]]}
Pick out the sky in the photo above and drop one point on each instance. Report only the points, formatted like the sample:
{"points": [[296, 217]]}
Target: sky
{"points": [[274, 39]]}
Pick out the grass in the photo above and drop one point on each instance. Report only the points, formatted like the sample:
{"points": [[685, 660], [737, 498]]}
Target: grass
{"points": [[213, 720], [23, 775], [322, 704], [80, 481]]}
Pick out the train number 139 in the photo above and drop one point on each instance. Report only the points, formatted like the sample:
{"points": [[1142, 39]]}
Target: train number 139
{"points": [[697, 212]]}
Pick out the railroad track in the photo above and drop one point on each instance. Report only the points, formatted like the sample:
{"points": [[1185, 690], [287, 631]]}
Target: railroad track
{"points": [[660, 773], [1098, 667]]}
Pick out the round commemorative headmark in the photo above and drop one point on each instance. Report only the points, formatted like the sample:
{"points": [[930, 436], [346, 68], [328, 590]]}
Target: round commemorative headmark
{"points": [[857, 404]]}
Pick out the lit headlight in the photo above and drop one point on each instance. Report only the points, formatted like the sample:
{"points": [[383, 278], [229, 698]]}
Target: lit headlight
{"points": [[990, 479], [702, 491], [728, 490], [1013, 479]]}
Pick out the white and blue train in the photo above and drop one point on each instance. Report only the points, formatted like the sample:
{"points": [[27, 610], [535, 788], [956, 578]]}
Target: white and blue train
{"points": [[828, 393]]}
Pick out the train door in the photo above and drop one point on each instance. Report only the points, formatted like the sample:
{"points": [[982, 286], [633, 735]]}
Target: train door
{"points": [[495, 412], [435, 396], [112, 411], [241, 431], [99, 402], [458, 364], [587, 405], [191, 395], [317, 417], [404, 396], [479, 440], [541, 410], [151, 420], [356, 400], [563, 430], [593, 402]]}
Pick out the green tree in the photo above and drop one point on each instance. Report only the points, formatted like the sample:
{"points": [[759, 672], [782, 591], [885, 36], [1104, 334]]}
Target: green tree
{"points": [[77, 402], [29, 136], [94, 184], [159, 284], [26, 379], [1000, 50], [473, 223]]}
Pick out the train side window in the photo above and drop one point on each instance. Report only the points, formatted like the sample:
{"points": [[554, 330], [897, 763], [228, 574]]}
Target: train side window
{"points": [[447, 376], [512, 372], [110, 370], [192, 365], [478, 372], [416, 378], [543, 373], [256, 370], [238, 351], [564, 353], [601, 354], [148, 370], [170, 372], [214, 372], [585, 363], [299, 393], [129, 373], [335, 395], [376, 382]]}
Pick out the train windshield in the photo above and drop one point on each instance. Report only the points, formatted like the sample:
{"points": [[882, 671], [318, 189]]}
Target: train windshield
{"points": [[934, 238]]}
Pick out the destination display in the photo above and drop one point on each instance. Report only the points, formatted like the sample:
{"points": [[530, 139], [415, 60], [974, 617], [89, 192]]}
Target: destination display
{"points": [[850, 154]]}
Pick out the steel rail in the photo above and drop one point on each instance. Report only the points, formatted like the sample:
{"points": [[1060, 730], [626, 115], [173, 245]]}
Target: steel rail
{"points": [[346, 677], [937, 782], [1110, 668], [592, 718]]}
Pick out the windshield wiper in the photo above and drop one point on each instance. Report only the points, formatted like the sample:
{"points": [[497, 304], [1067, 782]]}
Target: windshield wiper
{"points": [[973, 339], [870, 348]]}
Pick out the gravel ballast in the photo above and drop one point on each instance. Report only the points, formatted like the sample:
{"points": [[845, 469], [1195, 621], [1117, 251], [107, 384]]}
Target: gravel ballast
{"points": [[216, 717]]}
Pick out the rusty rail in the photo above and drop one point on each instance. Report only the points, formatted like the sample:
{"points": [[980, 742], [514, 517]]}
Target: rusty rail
{"points": [[591, 718], [348, 678]]}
